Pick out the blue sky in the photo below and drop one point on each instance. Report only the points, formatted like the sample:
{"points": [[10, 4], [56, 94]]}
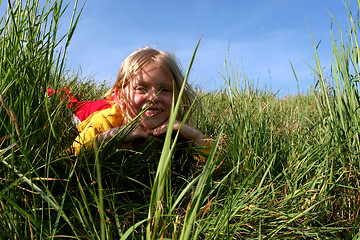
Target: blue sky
{"points": [[262, 36]]}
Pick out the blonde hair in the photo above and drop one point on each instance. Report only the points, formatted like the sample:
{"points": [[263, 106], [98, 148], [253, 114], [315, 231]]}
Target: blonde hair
{"points": [[141, 58]]}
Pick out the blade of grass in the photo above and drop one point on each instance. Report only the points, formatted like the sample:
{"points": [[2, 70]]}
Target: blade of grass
{"points": [[164, 162]]}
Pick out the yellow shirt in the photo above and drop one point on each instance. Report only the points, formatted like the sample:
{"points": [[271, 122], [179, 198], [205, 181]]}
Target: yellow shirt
{"points": [[95, 124]]}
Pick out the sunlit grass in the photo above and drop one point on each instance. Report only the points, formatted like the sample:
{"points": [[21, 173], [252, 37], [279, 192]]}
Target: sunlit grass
{"points": [[280, 167]]}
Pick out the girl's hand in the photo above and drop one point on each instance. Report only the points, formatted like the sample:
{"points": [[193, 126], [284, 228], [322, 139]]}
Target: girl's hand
{"points": [[137, 133], [188, 132]]}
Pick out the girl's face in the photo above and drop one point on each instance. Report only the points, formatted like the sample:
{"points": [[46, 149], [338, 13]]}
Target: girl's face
{"points": [[151, 89]]}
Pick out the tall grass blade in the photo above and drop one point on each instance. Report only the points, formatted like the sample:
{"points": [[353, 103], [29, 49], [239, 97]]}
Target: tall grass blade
{"points": [[164, 162]]}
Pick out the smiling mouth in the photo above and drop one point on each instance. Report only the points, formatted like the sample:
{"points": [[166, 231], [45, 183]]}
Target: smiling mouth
{"points": [[152, 112]]}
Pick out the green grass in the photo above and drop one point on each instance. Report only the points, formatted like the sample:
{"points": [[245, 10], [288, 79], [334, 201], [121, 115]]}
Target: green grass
{"points": [[281, 168]]}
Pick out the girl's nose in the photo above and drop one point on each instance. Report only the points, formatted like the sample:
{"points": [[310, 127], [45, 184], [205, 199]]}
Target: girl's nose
{"points": [[154, 96]]}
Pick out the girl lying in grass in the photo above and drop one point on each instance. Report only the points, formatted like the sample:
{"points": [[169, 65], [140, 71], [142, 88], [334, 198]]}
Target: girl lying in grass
{"points": [[147, 83]]}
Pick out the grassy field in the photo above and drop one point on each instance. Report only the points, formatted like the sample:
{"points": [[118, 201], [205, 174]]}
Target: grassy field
{"points": [[279, 169]]}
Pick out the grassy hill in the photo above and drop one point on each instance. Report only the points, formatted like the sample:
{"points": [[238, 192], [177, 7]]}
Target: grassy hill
{"points": [[280, 168]]}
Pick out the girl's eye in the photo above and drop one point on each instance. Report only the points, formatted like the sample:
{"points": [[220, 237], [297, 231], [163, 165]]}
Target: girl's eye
{"points": [[141, 89], [163, 90]]}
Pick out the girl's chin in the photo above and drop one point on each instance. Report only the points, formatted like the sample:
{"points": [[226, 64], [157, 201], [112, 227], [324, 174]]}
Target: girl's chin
{"points": [[151, 124]]}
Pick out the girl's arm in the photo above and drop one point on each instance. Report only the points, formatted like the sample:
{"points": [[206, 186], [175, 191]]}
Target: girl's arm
{"points": [[137, 133], [188, 132]]}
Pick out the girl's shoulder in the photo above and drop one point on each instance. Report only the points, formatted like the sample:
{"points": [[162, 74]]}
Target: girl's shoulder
{"points": [[113, 115]]}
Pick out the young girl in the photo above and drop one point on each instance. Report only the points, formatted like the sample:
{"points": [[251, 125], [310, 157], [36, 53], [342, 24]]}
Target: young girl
{"points": [[147, 83]]}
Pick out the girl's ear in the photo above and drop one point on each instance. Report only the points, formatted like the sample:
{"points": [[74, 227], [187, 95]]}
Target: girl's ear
{"points": [[120, 100], [122, 103]]}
